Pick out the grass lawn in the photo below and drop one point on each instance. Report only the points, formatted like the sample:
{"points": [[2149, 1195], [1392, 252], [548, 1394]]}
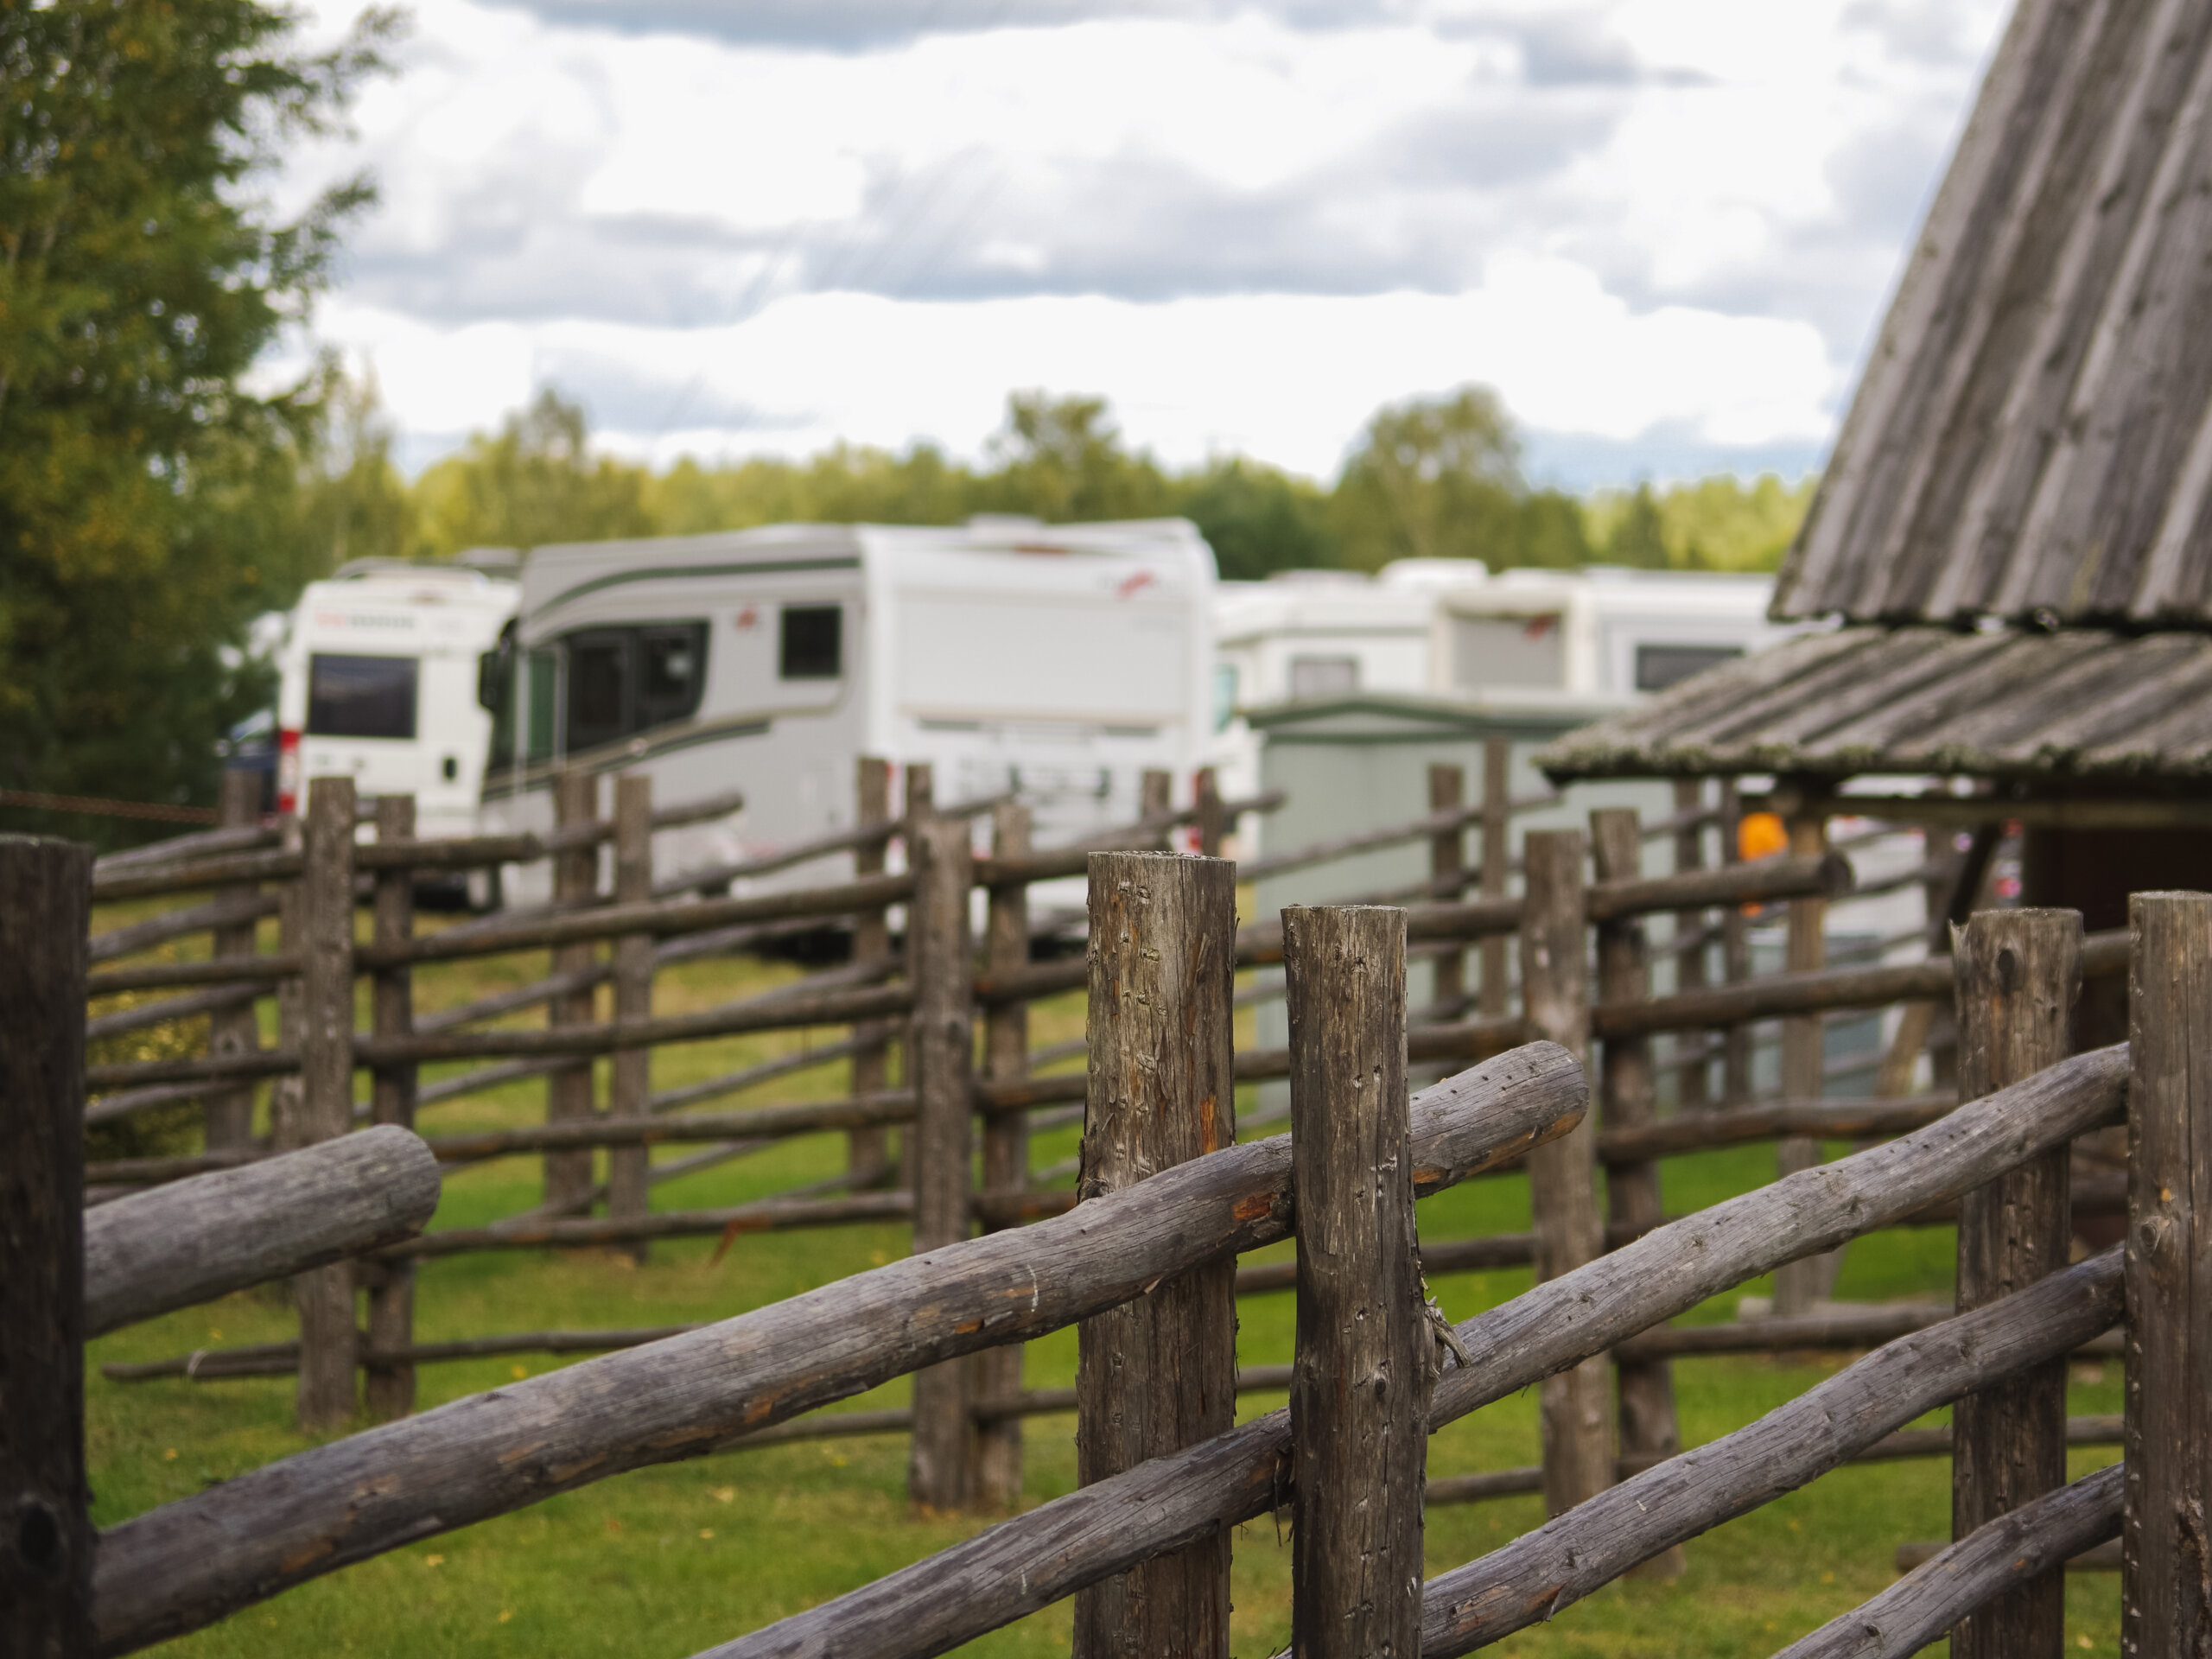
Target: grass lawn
{"points": [[661, 1563]]}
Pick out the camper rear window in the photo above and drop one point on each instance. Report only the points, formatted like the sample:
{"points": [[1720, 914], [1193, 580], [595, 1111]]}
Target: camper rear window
{"points": [[1658, 667], [813, 642], [624, 681], [361, 697]]}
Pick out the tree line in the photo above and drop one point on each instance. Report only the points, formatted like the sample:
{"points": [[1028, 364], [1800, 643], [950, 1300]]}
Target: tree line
{"points": [[153, 502]]}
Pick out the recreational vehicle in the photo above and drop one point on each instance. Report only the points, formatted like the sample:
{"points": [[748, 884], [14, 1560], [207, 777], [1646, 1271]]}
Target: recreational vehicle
{"points": [[379, 680], [1599, 634], [1320, 636], [1058, 662]]}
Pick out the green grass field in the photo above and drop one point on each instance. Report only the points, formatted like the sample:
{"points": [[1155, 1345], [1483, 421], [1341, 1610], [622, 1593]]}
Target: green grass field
{"points": [[662, 1562]]}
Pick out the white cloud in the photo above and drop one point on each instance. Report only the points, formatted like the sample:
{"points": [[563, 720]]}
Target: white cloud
{"points": [[1247, 223]]}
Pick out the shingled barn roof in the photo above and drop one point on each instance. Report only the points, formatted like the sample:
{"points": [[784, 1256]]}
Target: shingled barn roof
{"points": [[2033, 437], [2078, 703]]}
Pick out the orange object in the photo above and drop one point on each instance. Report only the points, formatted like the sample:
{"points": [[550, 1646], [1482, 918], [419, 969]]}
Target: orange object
{"points": [[1761, 835]]}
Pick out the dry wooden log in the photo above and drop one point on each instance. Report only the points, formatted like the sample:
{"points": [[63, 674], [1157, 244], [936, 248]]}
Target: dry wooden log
{"points": [[227, 1114], [188, 1006], [1097, 1531], [1531, 1579], [996, 1481], [2166, 1578], [219, 870], [1628, 1100], [941, 1050], [2098, 1558], [201, 843], [1435, 824], [2018, 976], [263, 971], [1359, 1388], [325, 1295], [195, 1240], [868, 1151], [766, 1216], [1790, 875], [390, 1389], [471, 852], [768, 1011], [2001, 1558], [662, 920], [1575, 1401], [47, 1543], [1855, 1328], [1158, 1373], [1856, 1120], [160, 930], [322, 1509], [630, 1083], [1798, 1285]]}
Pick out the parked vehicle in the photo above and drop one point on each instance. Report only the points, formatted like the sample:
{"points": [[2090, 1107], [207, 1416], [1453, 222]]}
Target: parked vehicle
{"points": [[1056, 662], [378, 680]]}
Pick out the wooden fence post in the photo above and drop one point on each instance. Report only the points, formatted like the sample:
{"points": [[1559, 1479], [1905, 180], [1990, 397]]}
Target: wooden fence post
{"points": [[1155, 798], [997, 1371], [2018, 973], [1212, 823], [1159, 1373], [325, 1295], [868, 1152], [1735, 956], [46, 1529], [1556, 995], [235, 1030], [630, 1087], [389, 1388], [568, 1091], [1360, 1385], [1693, 1078], [1447, 867], [1628, 1099], [2165, 1553], [1497, 823], [1798, 1285], [942, 1051]]}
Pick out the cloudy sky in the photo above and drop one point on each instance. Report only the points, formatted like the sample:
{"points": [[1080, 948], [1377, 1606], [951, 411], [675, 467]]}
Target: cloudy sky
{"points": [[1663, 229]]}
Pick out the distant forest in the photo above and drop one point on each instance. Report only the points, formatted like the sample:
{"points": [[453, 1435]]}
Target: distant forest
{"points": [[1428, 478]]}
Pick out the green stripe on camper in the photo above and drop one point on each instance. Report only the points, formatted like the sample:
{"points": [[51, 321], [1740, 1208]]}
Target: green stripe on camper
{"points": [[660, 573]]}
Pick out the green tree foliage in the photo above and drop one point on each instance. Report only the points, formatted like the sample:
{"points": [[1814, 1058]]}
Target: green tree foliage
{"points": [[1716, 524], [1440, 479], [145, 496], [1258, 520], [535, 480]]}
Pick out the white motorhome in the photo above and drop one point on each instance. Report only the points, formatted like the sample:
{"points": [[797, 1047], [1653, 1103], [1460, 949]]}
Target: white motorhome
{"points": [[378, 673], [1599, 633], [1060, 662], [1313, 636]]}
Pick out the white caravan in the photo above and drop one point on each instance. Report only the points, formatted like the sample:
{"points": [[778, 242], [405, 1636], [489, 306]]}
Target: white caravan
{"points": [[379, 680], [1060, 662], [1600, 633], [1317, 636]]}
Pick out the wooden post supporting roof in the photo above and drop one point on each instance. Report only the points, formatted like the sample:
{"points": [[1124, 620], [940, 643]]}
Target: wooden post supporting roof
{"points": [[1158, 1374], [2018, 973]]}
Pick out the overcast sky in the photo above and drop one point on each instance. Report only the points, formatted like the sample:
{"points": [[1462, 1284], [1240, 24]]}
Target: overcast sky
{"points": [[1663, 229]]}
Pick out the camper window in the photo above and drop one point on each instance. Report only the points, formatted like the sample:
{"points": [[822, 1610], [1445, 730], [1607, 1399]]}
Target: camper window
{"points": [[1658, 667], [361, 697], [598, 688], [671, 674], [623, 681], [813, 642], [544, 674]]}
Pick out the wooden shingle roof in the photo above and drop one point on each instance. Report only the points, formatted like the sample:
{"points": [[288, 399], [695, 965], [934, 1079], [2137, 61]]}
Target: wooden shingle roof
{"points": [[2032, 436], [2020, 704]]}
